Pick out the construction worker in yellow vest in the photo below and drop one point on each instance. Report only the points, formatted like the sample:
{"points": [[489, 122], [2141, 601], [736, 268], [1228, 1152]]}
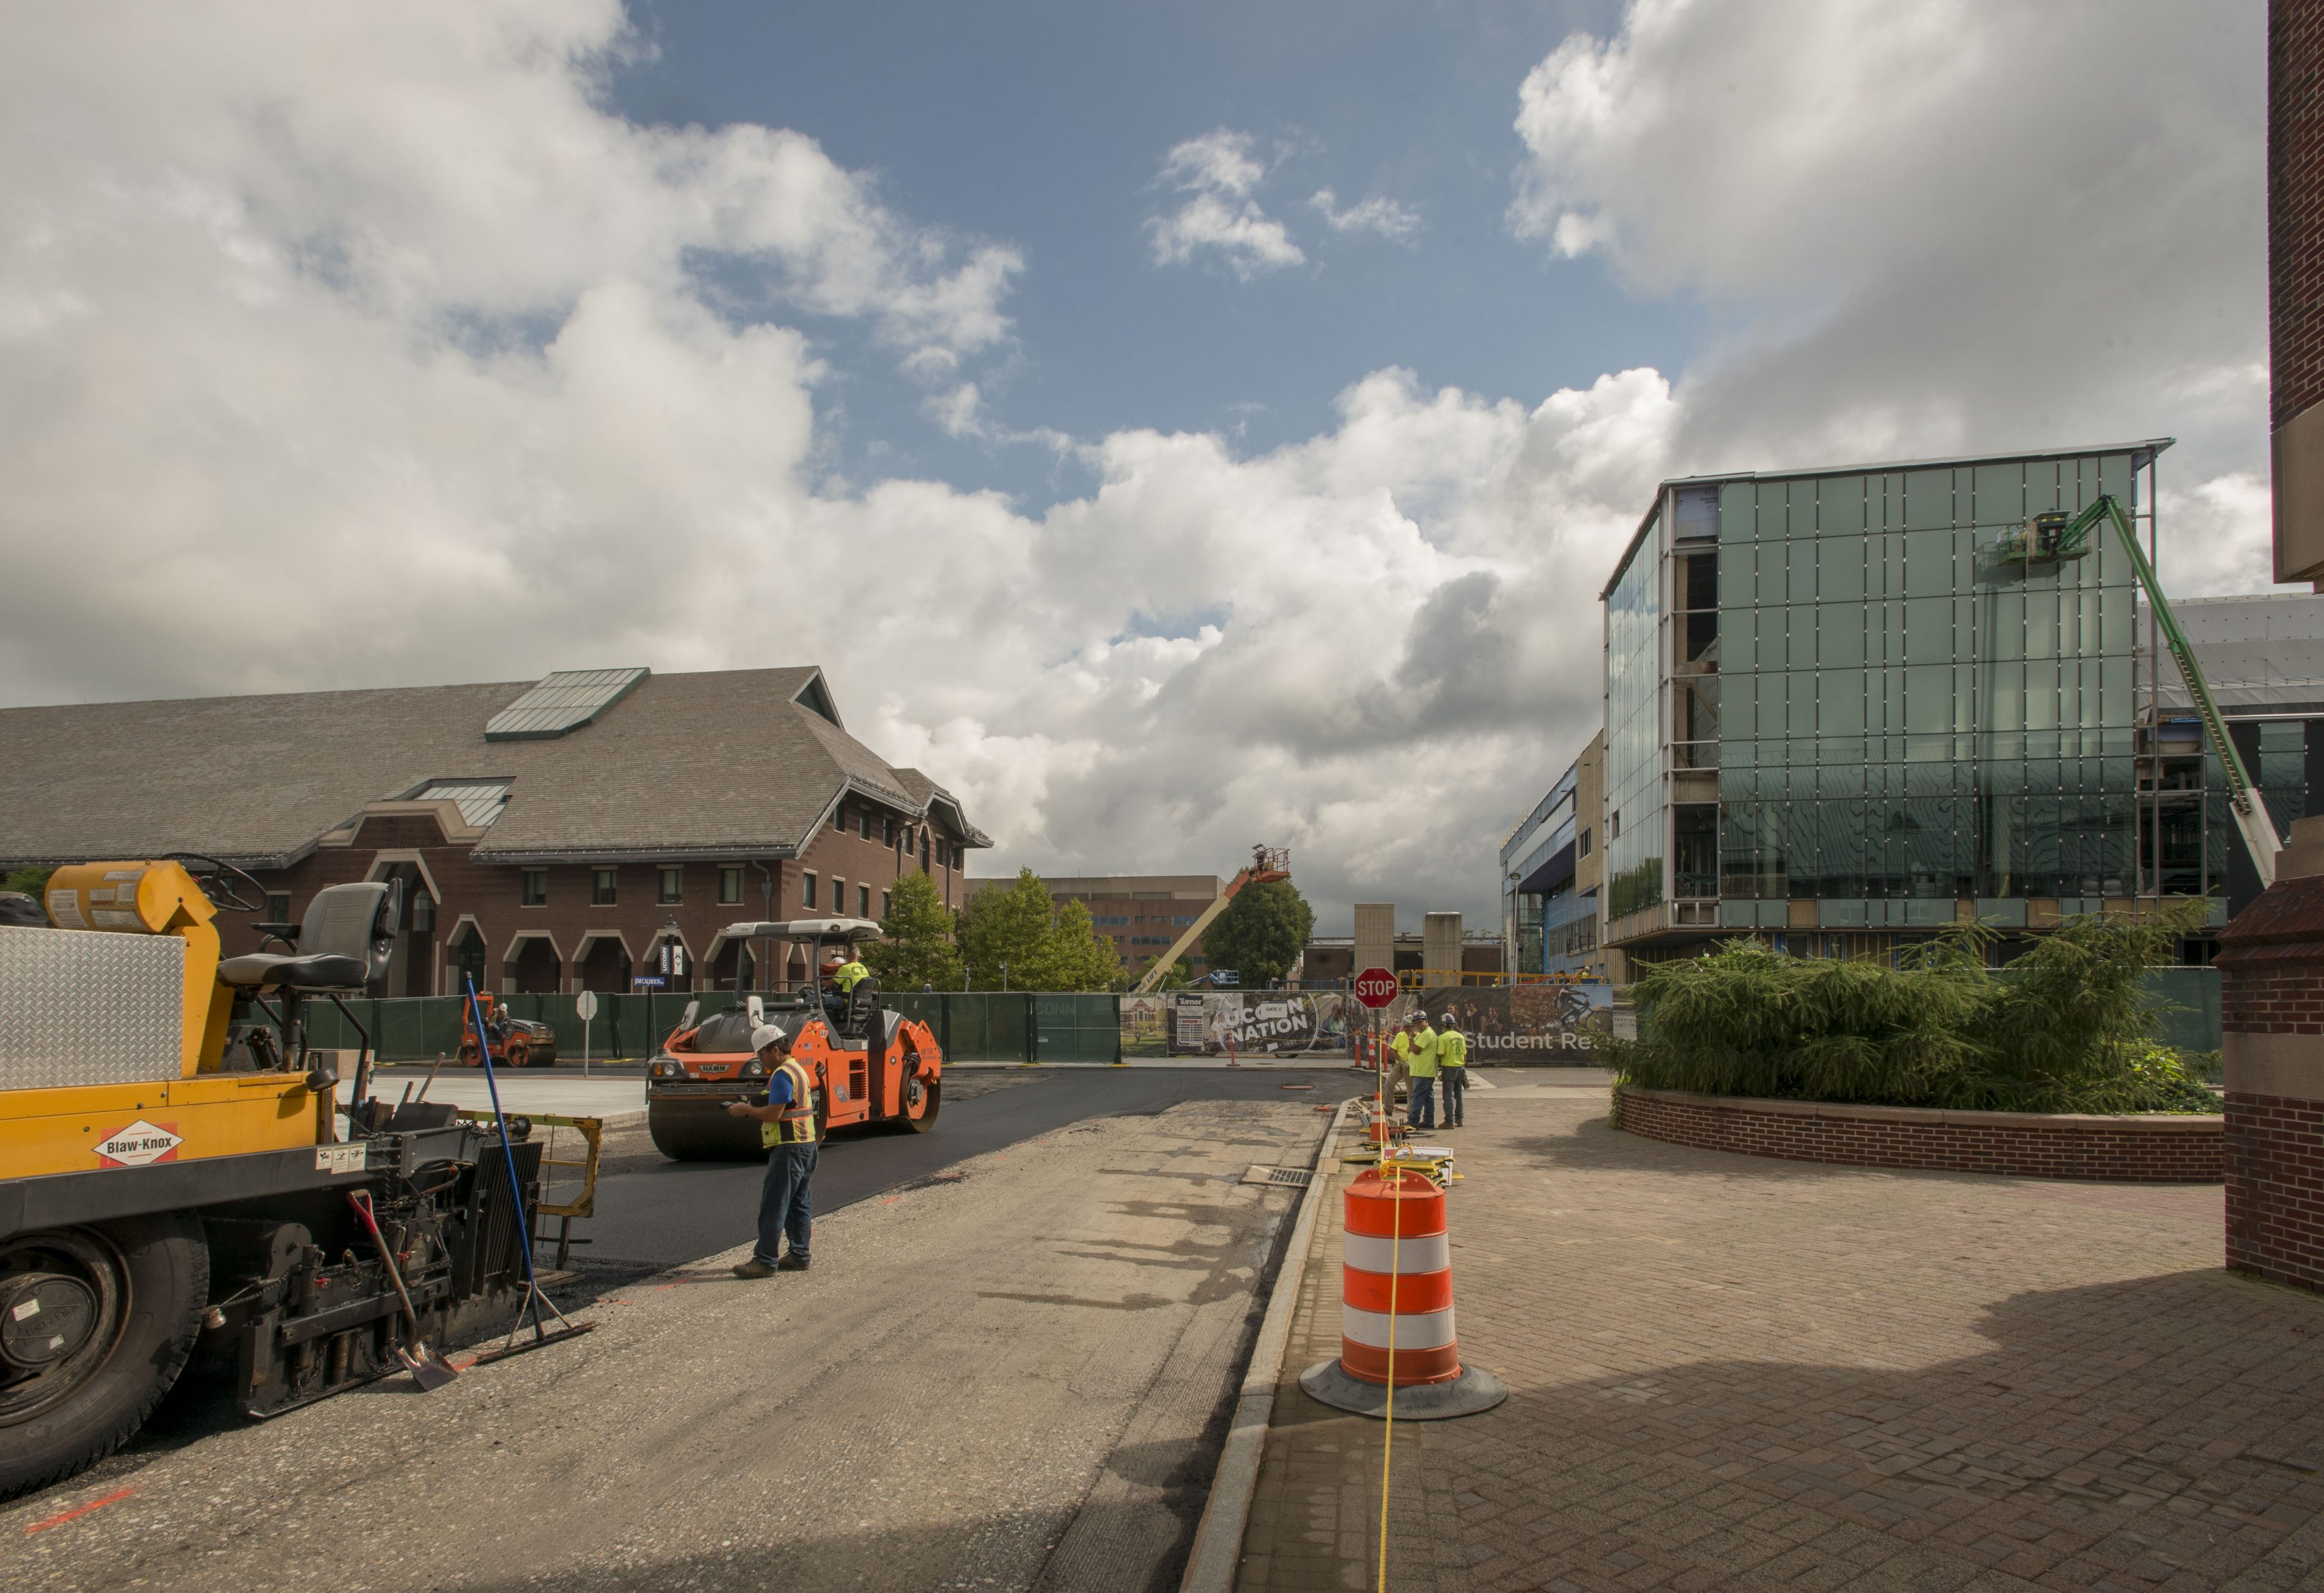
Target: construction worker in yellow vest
{"points": [[1398, 1059], [1452, 1068], [842, 973], [786, 1128], [1423, 1113]]}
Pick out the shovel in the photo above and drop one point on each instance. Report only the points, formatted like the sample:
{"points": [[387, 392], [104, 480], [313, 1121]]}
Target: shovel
{"points": [[427, 1367]]}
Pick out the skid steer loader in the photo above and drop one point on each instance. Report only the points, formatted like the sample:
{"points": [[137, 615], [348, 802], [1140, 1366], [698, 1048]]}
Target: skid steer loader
{"points": [[175, 1186]]}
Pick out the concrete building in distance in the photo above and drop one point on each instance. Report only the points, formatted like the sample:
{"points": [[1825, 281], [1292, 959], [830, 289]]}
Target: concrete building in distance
{"points": [[1143, 915], [1843, 711], [1332, 961], [581, 832], [1552, 868]]}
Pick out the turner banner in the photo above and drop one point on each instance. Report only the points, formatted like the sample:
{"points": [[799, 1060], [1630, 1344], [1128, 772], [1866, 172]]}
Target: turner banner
{"points": [[1240, 1023]]}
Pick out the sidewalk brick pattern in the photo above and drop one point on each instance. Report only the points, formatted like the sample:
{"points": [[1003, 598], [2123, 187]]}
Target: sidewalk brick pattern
{"points": [[1734, 1372]]}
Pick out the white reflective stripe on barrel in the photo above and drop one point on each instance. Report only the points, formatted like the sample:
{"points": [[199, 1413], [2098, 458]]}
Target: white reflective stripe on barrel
{"points": [[1425, 1329], [1428, 1253]]}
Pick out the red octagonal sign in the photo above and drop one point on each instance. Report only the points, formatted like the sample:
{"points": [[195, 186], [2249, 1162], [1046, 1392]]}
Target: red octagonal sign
{"points": [[1375, 987]]}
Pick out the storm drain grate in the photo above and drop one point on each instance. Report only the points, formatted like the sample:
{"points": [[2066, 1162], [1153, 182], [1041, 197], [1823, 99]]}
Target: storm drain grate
{"points": [[1284, 1177]]}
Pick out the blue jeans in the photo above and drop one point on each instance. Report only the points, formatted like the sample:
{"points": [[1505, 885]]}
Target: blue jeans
{"points": [[1456, 1090], [786, 1205], [1423, 1113]]}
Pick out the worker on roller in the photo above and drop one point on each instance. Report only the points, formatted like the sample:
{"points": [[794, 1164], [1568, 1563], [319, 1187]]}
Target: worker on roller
{"points": [[842, 973], [1452, 1069], [786, 1129], [1422, 1113]]}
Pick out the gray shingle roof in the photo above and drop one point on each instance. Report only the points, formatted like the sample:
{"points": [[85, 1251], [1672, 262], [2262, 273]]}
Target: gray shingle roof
{"points": [[720, 762]]}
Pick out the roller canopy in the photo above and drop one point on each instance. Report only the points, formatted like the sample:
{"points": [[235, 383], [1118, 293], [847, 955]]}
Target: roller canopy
{"points": [[805, 929]]}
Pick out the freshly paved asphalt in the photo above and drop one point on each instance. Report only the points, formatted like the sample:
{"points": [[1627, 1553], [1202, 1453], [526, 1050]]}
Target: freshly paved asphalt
{"points": [[677, 1211]]}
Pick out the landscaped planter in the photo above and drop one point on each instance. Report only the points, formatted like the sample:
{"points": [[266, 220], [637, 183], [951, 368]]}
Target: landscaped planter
{"points": [[2156, 1149]]}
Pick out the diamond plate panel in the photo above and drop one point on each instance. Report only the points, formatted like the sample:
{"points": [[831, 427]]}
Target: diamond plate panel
{"points": [[79, 1006]]}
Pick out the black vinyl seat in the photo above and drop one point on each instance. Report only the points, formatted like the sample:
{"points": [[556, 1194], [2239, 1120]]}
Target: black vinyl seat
{"points": [[344, 943]]}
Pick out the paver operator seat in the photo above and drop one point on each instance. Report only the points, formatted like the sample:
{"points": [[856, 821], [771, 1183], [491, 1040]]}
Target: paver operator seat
{"points": [[343, 944]]}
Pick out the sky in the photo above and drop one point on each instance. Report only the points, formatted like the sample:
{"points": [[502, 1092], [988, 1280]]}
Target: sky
{"points": [[1171, 428]]}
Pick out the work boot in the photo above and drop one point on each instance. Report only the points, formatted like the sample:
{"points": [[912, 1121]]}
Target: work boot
{"points": [[793, 1262], [753, 1268]]}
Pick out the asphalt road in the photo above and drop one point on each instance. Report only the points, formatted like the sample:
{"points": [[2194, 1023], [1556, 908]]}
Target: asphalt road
{"points": [[677, 1211]]}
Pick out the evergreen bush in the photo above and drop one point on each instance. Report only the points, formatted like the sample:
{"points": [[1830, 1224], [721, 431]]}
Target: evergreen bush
{"points": [[2065, 1028]]}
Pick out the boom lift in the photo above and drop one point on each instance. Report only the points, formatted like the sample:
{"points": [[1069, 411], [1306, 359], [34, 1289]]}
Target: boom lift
{"points": [[1266, 863], [176, 1187], [2054, 536], [870, 1065]]}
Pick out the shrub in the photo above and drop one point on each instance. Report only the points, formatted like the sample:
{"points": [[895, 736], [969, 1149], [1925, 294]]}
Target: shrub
{"points": [[2065, 1028]]}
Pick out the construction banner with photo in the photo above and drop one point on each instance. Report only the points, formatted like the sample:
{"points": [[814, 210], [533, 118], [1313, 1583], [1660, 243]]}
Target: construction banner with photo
{"points": [[1237, 1023], [1551, 1023]]}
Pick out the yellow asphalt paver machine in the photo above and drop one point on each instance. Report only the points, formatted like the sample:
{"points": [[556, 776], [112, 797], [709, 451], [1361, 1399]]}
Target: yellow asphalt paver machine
{"points": [[180, 1187]]}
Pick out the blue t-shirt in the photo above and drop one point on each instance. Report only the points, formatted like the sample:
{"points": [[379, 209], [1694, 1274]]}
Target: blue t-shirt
{"points": [[779, 1090]]}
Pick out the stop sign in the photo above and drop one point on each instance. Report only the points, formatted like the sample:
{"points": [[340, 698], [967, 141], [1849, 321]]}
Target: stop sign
{"points": [[1375, 987]]}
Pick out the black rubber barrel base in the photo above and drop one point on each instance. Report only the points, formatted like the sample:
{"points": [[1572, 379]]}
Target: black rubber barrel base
{"points": [[1475, 1389]]}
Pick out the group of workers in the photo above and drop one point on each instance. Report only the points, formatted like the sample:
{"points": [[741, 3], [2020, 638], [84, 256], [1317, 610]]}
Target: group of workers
{"points": [[787, 1127], [1429, 1054]]}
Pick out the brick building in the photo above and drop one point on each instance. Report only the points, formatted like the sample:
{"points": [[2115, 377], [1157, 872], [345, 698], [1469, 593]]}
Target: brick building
{"points": [[2295, 283], [580, 832], [1142, 915]]}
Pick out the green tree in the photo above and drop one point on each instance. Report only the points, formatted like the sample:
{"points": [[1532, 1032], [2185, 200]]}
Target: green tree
{"points": [[919, 948], [1044, 946], [33, 882], [1262, 932], [1006, 929]]}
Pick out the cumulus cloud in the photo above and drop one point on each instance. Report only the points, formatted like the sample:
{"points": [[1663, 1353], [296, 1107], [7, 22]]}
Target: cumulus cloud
{"points": [[1385, 217], [1931, 228], [386, 355], [1217, 173]]}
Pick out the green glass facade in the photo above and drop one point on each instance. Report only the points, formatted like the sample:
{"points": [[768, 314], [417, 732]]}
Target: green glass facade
{"points": [[1855, 691]]}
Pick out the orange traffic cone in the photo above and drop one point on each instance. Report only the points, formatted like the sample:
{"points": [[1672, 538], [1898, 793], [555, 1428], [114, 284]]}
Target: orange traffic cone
{"points": [[1395, 1309]]}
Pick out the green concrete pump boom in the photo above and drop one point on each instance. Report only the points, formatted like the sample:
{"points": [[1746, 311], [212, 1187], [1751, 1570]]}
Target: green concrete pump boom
{"points": [[2053, 536]]}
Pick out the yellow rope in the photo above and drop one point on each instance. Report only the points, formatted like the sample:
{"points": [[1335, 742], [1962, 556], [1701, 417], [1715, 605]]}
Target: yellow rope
{"points": [[1388, 1441]]}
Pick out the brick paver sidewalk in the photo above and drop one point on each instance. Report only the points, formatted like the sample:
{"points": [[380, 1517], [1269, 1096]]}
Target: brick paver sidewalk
{"points": [[1729, 1372]]}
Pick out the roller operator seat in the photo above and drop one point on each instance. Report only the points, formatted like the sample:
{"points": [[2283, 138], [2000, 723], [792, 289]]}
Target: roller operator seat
{"points": [[343, 944]]}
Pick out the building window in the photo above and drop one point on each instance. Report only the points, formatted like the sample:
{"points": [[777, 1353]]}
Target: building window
{"points": [[807, 891], [1582, 844], [730, 887], [600, 887], [672, 880], [535, 887], [1614, 825], [887, 906], [838, 894], [863, 901], [864, 822], [888, 832], [278, 910], [423, 911]]}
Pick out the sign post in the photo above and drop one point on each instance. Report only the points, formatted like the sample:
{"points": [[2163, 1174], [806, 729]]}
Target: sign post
{"points": [[1376, 988], [586, 1004]]}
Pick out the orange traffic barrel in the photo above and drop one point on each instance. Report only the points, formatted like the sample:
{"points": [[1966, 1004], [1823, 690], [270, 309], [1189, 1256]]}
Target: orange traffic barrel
{"points": [[1396, 1288], [1396, 1308]]}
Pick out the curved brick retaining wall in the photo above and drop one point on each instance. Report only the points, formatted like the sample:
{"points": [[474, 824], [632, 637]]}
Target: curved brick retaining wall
{"points": [[2029, 1145]]}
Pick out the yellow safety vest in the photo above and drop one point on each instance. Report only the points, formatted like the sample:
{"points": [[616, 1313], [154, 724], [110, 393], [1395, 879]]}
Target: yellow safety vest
{"points": [[1401, 1044], [1452, 1048], [1424, 1054], [849, 977], [796, 1125]]}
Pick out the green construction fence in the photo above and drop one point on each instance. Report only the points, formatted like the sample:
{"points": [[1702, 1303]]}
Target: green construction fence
{"points": [[980, 1025]]}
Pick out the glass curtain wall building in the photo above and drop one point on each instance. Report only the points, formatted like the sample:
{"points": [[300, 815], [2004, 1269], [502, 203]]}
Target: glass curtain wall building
{"points": [[1551, 873], [1844, 706]]}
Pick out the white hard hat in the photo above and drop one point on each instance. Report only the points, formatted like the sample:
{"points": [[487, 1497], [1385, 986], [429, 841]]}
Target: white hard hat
{"points": [[764, 1036]]}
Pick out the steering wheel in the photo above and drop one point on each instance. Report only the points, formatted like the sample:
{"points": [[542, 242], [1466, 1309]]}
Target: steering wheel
{"points": [[212, 876]]}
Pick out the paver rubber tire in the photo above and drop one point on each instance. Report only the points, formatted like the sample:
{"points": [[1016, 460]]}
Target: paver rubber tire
{"points": [[932, 1099], [701, 1131], [151, 1276]]}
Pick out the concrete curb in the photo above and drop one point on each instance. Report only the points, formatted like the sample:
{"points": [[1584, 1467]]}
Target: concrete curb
{"points": [[1217, 1554]]}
